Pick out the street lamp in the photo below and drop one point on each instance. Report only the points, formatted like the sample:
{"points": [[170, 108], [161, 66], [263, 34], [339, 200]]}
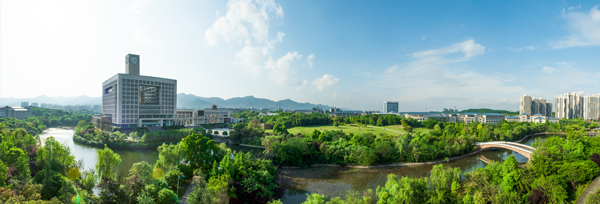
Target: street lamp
{"points": [[178, 183]]}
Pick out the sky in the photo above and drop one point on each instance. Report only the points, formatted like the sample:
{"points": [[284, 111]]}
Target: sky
{"points": [[427, 55]]}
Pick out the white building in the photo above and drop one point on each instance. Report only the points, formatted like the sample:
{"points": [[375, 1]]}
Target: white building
{"points": [[24, 104], [34, 104], [490, 118], [390, 107], [591, 107], [569, 105], [14, 112], [206, 116], [131, 99]]}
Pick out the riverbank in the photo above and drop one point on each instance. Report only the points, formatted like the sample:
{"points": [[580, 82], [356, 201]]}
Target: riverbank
{"points": [[122, 145], [415, 163]]}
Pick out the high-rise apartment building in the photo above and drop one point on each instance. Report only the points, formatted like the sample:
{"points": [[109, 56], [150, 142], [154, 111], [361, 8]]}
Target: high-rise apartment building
{"points": [[532, 106], [591, 107], [24, 104], [569, 105], [390, 107], [131, 99], [34, 104]]}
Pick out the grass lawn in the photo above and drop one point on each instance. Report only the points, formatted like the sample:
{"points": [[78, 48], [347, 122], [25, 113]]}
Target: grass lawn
{"points": [[399, 128], [306, 130]]}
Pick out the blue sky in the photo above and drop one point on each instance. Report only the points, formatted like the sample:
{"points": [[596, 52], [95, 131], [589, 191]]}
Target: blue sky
{"points": [[352, 54]]}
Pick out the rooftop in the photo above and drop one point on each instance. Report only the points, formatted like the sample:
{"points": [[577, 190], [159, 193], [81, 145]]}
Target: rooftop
{"points": [[512, 117]]}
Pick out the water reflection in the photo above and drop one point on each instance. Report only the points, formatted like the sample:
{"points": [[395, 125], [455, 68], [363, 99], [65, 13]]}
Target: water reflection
{"points": [[336, 181]]}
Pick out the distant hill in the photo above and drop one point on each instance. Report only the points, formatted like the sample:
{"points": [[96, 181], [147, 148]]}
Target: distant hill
{"points": [[189, 101], [197, 102]]}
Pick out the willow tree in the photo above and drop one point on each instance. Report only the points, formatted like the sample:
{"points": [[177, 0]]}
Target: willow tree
{"points": [[108, 161]]}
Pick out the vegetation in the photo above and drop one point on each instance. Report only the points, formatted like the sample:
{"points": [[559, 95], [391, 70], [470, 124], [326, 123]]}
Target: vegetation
{"points": [[558, 165], [442, 141], [486, 110], [86, 133]]}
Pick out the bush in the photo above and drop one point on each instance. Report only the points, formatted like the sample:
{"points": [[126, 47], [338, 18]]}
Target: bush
{"points": [[593, 198], [216, 132], [224, 132], [171, 179], [166, 196], [187, 171]]}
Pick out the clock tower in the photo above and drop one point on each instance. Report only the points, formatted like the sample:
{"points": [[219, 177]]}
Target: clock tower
{"points": [[132, 64]]}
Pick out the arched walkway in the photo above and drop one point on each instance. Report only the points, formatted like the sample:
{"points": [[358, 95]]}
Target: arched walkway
{"points": [[522, 149]]}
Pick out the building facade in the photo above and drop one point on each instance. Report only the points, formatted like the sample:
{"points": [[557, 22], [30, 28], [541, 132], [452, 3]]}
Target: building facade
{"points": [[14, 112], [569, 105], [390, 107], [34, 104], [206, 116], [131, 99], [532, 106], [591, 107], [24, 104]]}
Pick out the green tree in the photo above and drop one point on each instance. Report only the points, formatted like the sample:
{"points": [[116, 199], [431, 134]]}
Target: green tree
{"points": [[3, 171], [315, 198], [166, 196], [108, 161], [200, 193], [169, 155], [143, 170], [593, 198], [200, 151]]}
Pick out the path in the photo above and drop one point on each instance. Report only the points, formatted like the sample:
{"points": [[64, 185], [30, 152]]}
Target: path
{"points": [[590, 189], [188, 191], [386, 129]]}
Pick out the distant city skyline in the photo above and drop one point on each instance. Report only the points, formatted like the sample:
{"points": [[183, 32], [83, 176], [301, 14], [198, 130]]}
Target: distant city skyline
{"points": [[354, 55]]}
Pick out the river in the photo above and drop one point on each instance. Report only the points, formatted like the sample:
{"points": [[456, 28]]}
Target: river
{"points": [[330, 181]]}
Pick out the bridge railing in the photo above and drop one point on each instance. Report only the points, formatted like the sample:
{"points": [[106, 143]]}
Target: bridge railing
{"points": [[508, 144]]}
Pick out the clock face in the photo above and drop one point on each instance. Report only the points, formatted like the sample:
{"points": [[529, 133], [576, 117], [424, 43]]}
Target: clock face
{"points": [[134, 60]]}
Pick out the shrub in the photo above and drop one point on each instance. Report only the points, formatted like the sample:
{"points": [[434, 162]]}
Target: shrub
{"points": [[224, 132], [166, 196], [593, 198], [216, 132]]}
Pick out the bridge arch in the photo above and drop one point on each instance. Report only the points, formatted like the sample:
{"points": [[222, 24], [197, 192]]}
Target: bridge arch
{"points": [[522, 149]]}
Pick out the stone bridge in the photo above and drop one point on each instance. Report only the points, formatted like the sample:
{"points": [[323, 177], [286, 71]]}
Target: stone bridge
{"points": [[522, 149]]}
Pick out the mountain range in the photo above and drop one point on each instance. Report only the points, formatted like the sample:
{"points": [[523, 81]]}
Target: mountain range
{"points": [[184, 101]]}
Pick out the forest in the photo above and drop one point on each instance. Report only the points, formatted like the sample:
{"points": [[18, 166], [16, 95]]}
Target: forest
{"points": [[32, 173]]}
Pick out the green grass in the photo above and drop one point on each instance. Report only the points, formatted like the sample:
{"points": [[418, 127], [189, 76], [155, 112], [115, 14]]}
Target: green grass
{"points": [[306, 130]]}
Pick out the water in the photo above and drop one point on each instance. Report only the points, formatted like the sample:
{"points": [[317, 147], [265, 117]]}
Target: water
{"points": [[89, 154], [330, 181], [336, 181]]}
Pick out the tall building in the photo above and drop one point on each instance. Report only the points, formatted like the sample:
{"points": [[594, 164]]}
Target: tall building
{"points": [[24, 104], [34, 104], [569, 105], [97, 108], [591, 107], [390, 107], [131, 99], [532, 106]]}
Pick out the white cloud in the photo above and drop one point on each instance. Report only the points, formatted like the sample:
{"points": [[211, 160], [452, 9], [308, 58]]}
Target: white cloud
{"points": [[244, 20], [548, 70], [141, 38], [302, 85], [574, 7], [392, 69], [334, 95], [310, 59], [325, 81], [246, 23], [580, 92], [278, 70], [217, 14], [136, 6], [424, 37], [585, 29], [469, 48]]}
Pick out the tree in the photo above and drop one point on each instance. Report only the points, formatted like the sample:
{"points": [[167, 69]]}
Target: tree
{"points": [[225, 133], [108, 161], [166, 196], [143, 170], [113, 193], [216, 132], [200, 194], [200, 151], [407, 128], [254, 124], [3, 171], [169, 155]]}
